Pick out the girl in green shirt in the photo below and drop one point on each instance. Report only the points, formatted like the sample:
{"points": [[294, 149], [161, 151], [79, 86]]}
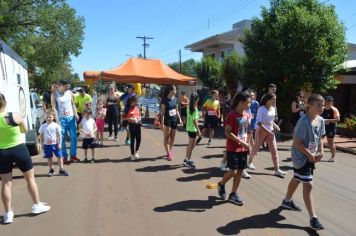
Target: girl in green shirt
{"points": [[192, 128]]}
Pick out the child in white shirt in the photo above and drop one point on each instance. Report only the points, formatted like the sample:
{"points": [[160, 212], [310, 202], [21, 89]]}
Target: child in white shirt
{"points": [[88, 129], [50, 136]]}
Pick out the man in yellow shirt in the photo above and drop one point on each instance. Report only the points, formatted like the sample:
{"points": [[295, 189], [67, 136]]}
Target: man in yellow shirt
{"points": [[82, 102]]}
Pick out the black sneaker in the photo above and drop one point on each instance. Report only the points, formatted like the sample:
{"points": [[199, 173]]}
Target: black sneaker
{"points": [[85, 160], [189, 163], [198, 140], [221, 191], [315, 224], [209, 142], [63, 172], [290, 205], [235, 199], [51, 172]]}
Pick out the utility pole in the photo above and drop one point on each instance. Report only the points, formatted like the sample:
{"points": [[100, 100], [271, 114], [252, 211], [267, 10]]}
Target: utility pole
{"points": [[145, 45], [180, 61]]}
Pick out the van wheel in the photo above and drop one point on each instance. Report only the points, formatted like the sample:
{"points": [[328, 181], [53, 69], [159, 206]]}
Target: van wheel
{"points": [[35, 148], [33, 143]]}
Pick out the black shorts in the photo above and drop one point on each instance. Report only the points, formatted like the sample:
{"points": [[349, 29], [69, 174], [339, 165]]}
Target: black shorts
{"points": [[125, 123], [305, 173], [192, 134], [330, 133], [183, 112], [211, 121], [18, 155], [171, 124], [236, 160], [88, 142]]}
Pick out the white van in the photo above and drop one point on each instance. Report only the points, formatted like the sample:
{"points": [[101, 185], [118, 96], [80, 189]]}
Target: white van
{"points": [[14, 85]]}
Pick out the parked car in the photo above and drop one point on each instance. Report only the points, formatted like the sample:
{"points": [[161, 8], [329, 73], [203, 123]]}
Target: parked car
{"points": [[37, 111]]}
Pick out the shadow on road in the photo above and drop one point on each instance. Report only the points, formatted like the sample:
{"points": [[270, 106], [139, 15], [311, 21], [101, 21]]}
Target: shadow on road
{"points": [[262, 221], [287, 160], [211, 147], [191, 205], [201, 174], [158, 168], [213, 156], [36, 176], [285, 168], [128, 159], [180, 145]]}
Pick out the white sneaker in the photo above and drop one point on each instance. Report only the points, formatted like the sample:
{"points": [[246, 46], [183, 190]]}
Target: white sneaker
{"points": [[246, 175], [251, 166], [137, 155], [280, 173], [110, 138], [133, 157], [8, 217], [116, 140], [223, 165], [40, 208]]}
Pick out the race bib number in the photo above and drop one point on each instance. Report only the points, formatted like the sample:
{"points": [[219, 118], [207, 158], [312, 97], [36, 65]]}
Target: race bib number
{"points": [[211, 113], [172, 112], [66, 113], [51, 142], [313, 147]]}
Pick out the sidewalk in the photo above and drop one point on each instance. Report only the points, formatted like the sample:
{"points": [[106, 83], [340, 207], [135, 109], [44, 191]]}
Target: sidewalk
{"points": [[345, 144]]}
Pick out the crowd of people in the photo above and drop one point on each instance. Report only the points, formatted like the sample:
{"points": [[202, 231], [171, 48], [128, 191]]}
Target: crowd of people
{"points": [[248, 125]]}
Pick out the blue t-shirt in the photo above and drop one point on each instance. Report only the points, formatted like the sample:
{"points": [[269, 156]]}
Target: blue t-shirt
{"points": [[254, 107], [311, 137]]}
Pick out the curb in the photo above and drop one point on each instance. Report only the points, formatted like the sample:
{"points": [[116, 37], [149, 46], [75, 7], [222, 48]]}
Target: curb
{"points": [[343, 149]]}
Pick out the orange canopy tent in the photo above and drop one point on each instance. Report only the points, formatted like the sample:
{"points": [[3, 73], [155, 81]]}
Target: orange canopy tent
{"points": [[136, 70]]}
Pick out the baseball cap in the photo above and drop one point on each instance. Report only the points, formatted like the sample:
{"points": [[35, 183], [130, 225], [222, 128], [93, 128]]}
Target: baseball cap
{"points": [[329, 99]]}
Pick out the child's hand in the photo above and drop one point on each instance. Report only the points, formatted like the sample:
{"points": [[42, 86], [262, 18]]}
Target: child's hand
{"points": [[318, 157], [311, 159]]}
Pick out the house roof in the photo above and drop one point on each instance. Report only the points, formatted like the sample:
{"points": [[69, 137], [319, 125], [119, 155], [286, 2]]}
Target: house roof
{"points": [[220, 39]]}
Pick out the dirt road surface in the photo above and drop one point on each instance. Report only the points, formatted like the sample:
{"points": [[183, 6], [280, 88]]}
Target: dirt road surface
{"points": [[152, 196]]}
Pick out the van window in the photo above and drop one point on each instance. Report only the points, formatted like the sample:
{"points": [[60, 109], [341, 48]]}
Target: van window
{"points": [[18, 79]]}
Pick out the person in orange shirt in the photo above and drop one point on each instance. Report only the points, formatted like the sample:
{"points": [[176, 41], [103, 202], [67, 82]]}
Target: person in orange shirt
{"points": [[133, 117], [211, 109]]}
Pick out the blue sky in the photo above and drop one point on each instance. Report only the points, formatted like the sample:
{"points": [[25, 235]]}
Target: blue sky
{"points": [[112, 27]]}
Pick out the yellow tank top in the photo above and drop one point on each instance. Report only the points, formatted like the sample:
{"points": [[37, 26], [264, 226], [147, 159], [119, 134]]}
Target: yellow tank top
{"points": [[9, 135]]}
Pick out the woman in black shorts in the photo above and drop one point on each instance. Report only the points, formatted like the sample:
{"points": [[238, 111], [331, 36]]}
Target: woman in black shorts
{"points": [[13, 150], [170, 118], [113, 113]]}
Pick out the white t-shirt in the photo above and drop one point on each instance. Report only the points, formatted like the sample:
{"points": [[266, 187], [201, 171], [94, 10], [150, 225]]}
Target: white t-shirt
{"points": [[266, 117], [50, 133], [88, 126]]}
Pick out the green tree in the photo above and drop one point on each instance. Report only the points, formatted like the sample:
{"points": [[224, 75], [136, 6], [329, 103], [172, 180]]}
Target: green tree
{"points": [[208, 70], [45, 33], [232, 71], [188, 67], [297, 44]]}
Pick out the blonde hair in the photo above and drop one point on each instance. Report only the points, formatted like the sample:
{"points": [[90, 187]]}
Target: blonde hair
{"points": [[51, 112]]}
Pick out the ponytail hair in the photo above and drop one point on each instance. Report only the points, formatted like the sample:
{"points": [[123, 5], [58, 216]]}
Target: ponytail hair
{"points": [[193, 99]]}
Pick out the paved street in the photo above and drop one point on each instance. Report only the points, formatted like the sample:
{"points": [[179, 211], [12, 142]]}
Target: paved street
{"points": [[152, 196]]}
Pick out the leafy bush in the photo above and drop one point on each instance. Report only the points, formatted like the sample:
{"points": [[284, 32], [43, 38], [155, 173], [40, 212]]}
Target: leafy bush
{"points": [[349, 123]]}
